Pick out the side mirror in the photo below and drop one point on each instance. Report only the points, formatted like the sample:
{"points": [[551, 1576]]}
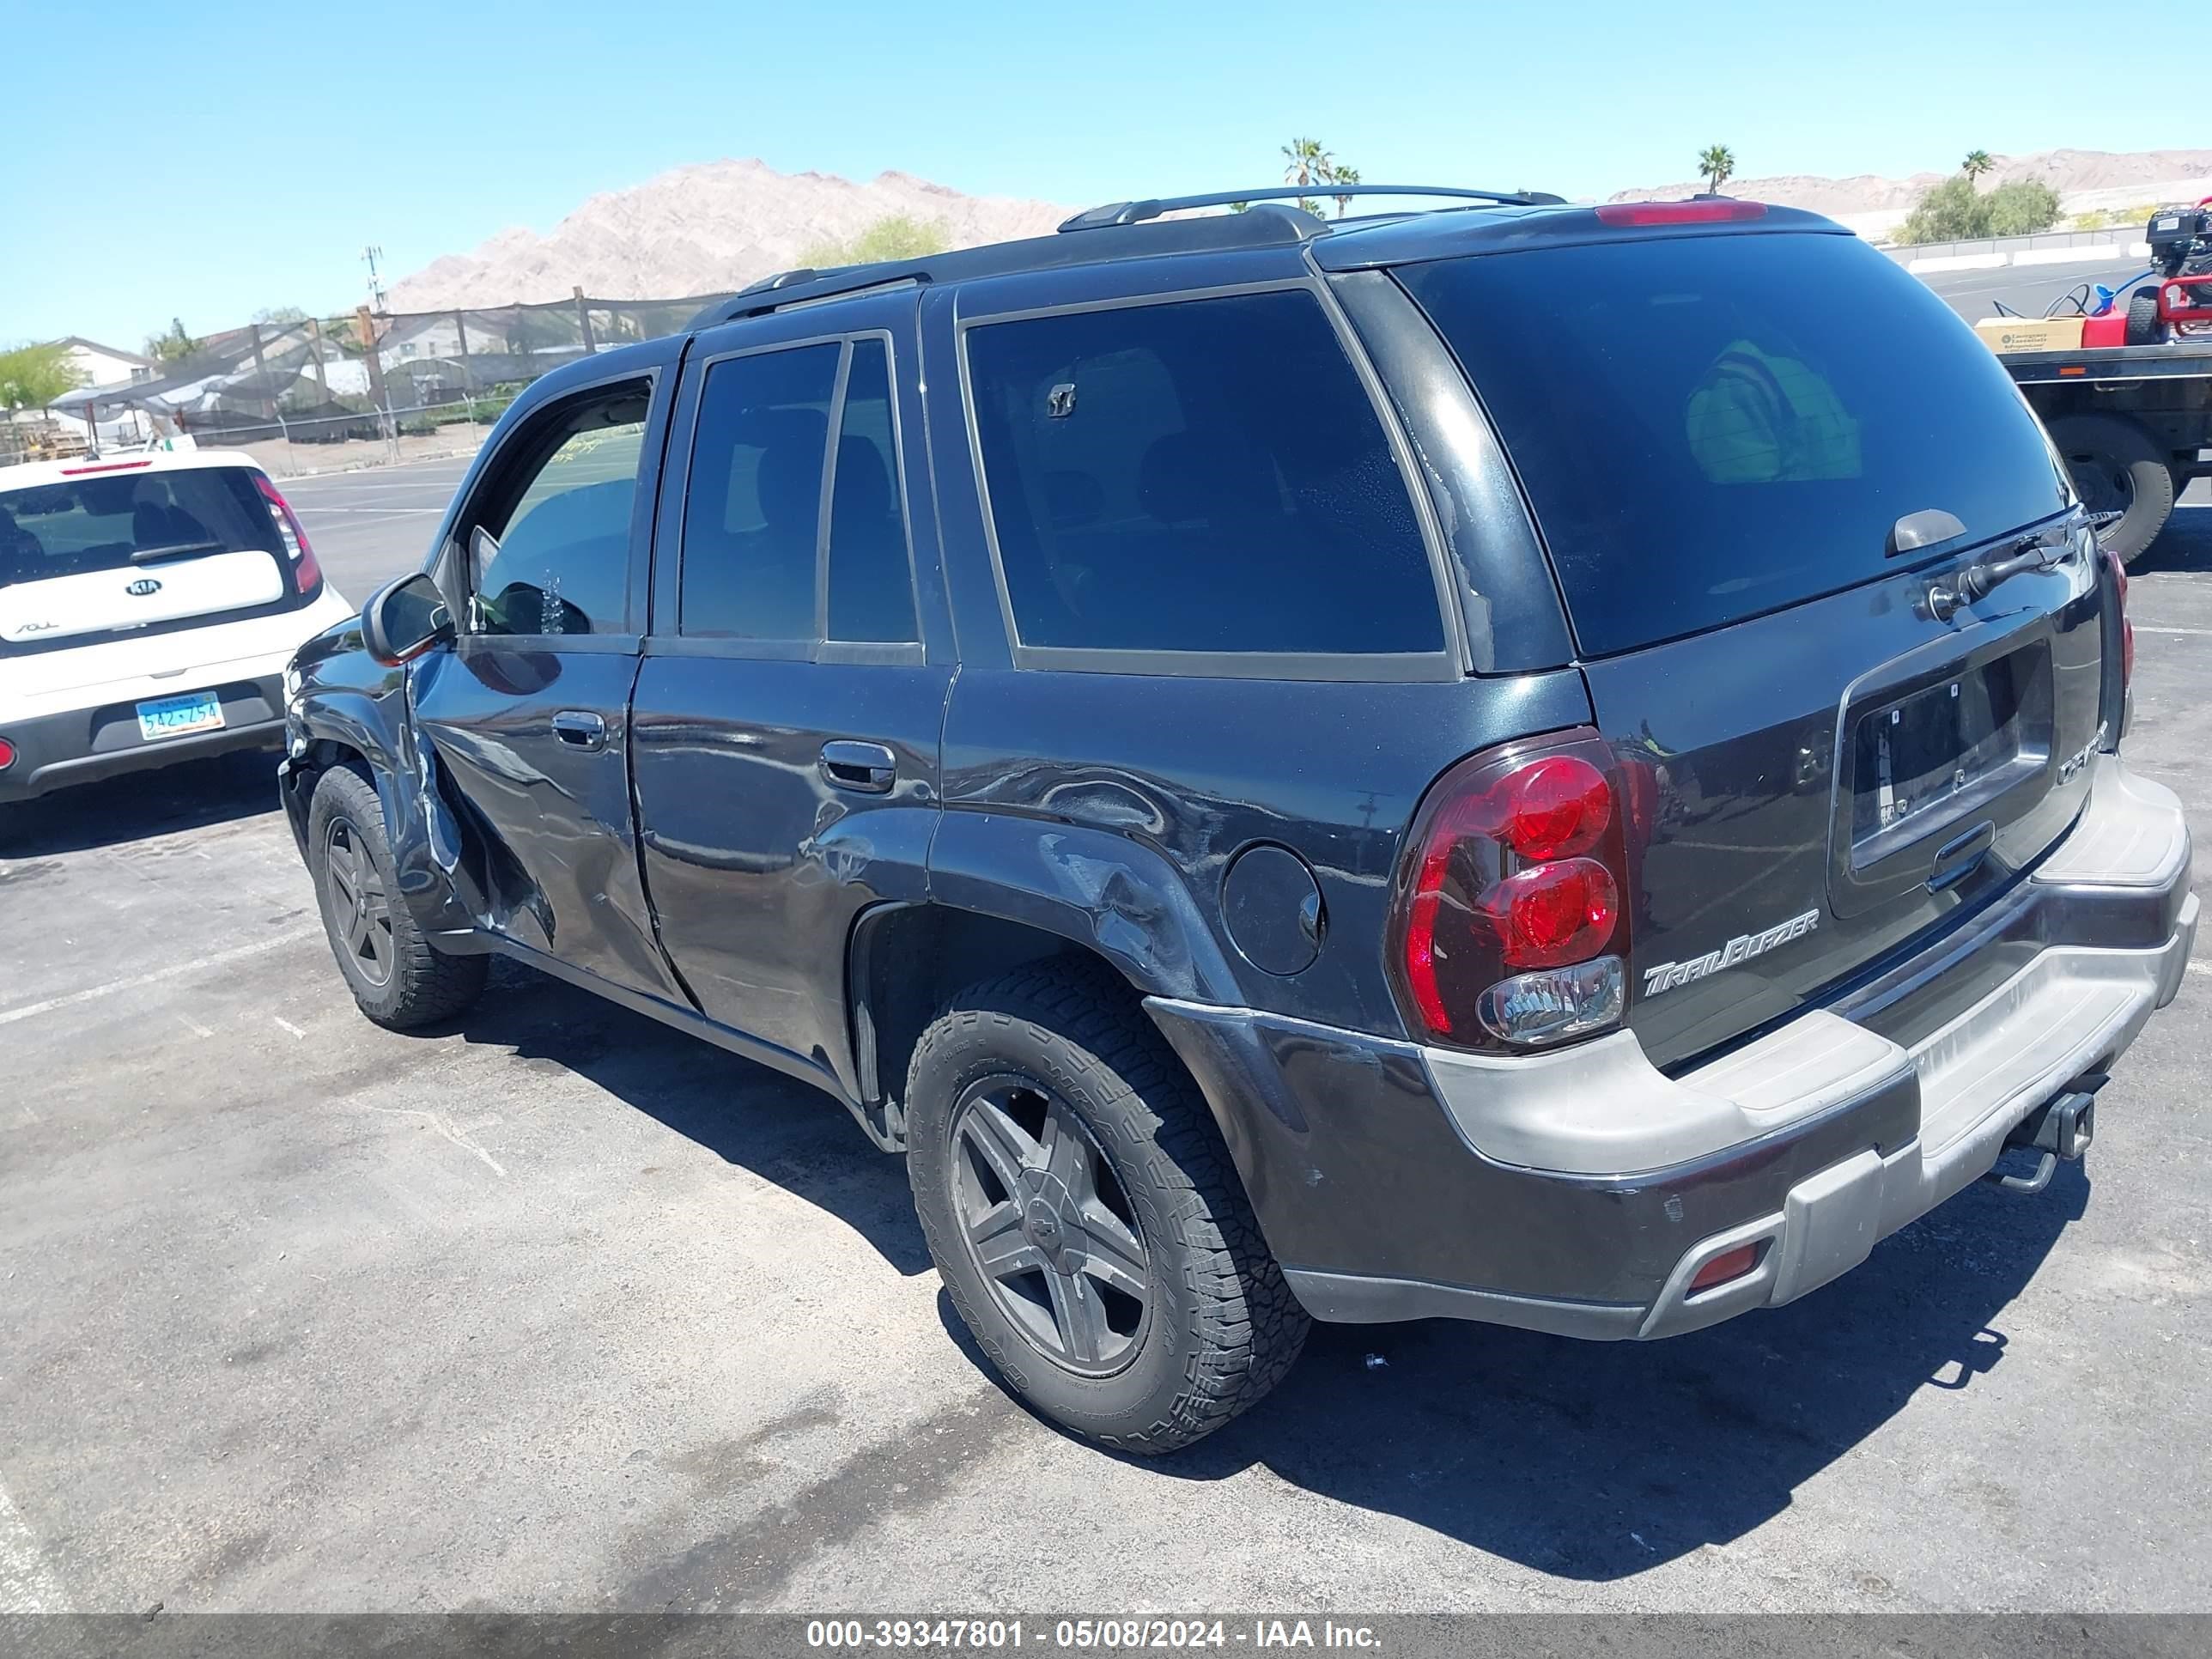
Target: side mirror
{"points": [[404, 619]]}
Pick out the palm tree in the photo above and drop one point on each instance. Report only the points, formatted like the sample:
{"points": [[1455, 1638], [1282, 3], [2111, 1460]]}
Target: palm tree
{"points": [[1716, 163], [1343, 175], [1976, 163], [1309, 164]]}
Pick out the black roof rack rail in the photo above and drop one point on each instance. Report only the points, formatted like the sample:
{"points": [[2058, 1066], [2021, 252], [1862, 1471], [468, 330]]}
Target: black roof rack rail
{"points": [[788, 278], [1130, 213]]}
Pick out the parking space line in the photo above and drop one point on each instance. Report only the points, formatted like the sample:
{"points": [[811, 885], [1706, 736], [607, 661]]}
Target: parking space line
{"points": [[154, 976], [27, 1584]]}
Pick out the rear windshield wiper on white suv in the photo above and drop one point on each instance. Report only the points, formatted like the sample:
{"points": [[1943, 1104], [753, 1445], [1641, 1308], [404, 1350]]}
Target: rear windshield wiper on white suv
{"points": [[148, 555]]}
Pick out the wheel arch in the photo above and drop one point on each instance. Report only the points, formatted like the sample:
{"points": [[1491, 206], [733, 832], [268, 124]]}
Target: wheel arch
{"points": [[351, 729]]}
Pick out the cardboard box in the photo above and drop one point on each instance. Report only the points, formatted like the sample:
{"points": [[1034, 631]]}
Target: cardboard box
{"points": [[2031, 333]]}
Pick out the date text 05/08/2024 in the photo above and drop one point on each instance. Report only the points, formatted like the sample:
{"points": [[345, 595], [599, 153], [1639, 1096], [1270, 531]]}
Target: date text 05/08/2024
{"points": [[1108, 1635]]}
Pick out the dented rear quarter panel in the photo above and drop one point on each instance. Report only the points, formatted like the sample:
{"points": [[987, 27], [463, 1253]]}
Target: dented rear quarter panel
{"points": [[1111, 806]]}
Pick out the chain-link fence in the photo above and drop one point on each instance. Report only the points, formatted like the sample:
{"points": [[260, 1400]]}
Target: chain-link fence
{"points": [[322, 394]]}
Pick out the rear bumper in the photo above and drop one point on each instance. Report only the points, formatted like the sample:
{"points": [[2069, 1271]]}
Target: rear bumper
{"points": [[79, 745], [1580, 1193]]}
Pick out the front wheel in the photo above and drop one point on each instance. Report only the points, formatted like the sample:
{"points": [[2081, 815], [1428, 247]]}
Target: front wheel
{"points": [[2116, 468], [1083, 1215], [398, 978]]}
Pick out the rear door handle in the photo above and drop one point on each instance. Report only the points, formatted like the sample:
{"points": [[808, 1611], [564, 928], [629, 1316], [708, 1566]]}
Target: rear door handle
{"points": [[869, 768], [579, 728]]}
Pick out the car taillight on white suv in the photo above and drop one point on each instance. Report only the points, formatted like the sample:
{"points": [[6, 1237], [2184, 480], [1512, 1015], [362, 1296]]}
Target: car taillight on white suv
{"points": [[1509, 920], [306, 575]]}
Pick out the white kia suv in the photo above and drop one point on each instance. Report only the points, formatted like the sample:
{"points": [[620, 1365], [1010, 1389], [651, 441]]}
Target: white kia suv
{"points": [[148, 604]]}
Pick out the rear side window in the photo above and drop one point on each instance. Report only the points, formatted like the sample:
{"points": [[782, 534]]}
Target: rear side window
{"points": [[1200, 475], [1712, 428]]}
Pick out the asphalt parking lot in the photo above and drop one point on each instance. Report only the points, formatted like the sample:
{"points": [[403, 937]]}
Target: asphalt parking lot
{"points": [[557, 1310], [370, 525]]}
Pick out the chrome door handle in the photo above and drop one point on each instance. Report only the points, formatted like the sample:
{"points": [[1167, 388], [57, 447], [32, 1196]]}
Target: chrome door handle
{"points": [[579, 728], [869, 768]]}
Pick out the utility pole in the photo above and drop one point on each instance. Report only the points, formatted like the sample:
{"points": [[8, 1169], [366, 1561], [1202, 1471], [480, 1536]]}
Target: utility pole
{"points": [[584, 321], [372, 254]]}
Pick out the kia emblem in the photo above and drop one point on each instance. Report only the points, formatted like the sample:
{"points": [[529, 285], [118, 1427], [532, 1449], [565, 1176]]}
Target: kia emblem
{"points": [[143, 586]]}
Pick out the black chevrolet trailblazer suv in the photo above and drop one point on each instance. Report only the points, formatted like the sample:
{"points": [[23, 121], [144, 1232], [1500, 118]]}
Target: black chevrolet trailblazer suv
{"points": [[1548, 765]]}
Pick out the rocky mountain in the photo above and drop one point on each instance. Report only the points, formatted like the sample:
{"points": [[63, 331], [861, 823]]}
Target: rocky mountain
{"points": [[719, 224], [2084, 179], [703, 229]]}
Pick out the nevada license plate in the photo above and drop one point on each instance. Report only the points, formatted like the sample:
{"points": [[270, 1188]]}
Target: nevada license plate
{"points": [[171, 717]]}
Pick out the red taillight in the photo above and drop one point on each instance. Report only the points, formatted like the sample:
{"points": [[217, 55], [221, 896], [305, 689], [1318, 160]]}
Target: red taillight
{"points": [[1679, 213], [306, 575], [1551, 914], [1728, 1264], [1555, 807], [1514, 871], [7, 754]]}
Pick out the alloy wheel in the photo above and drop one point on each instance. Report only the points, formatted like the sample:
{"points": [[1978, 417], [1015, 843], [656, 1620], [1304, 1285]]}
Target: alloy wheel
{"points": [[1049, 1225], [359, 909]]}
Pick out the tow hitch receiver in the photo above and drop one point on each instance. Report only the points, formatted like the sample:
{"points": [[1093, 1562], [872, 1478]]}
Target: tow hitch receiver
{"points": [[2062, 1126]]}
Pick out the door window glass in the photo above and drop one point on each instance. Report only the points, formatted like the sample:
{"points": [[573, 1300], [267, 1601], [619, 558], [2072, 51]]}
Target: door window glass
{"points": [[871, 581], [752, 523], [562, 561]]}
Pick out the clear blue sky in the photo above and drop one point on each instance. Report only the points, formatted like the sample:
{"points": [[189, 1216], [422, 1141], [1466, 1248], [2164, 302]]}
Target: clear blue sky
{"points": [[208, 159]]}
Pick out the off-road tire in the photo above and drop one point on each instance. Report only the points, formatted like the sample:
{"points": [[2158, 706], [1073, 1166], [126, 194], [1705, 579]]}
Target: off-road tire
{"points": [[1221, 1326], [2114, 461], [424, 985]]}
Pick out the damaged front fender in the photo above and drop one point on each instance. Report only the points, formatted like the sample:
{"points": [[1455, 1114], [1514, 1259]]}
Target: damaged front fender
{"points": [[346, 709]]}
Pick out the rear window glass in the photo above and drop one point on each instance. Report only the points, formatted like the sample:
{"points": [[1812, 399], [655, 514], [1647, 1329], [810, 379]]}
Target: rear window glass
{"points": [[1203, 476], [1711, 428], [109, 520]]}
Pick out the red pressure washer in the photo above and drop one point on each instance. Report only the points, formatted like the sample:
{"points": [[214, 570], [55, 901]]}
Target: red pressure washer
{"points": [[2181, 252]]}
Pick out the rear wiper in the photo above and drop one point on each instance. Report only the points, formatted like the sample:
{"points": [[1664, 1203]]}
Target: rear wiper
{"points": [[2052, 545], [148, 555]]}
